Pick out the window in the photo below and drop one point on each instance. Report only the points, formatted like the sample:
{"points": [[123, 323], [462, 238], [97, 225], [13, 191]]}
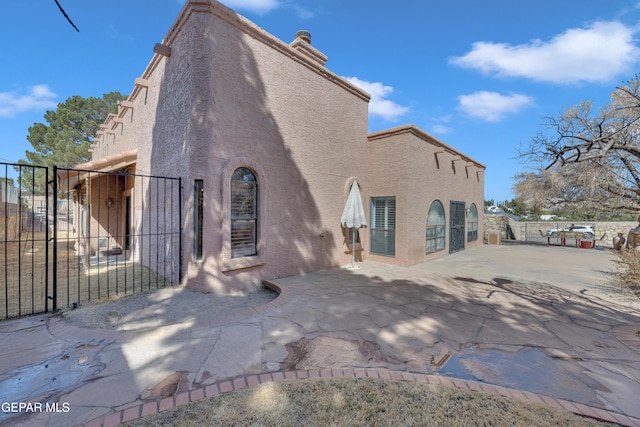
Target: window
{"points": [[472, 228], [383, 225], [244, 213], [435, 228], [198, 213], [244, 186]]}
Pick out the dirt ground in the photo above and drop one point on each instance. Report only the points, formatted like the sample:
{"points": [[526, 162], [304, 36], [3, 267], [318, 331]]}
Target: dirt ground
{"points": [[161, 307], [26, 282], [23, 275]]}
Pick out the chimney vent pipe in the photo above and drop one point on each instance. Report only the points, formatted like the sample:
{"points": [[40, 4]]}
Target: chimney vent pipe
{"points": [[304, 35]]}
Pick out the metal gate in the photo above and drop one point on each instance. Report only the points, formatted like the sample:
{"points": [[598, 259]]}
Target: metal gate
{"points": [[106, 234], [25, 271], [456, 226]]}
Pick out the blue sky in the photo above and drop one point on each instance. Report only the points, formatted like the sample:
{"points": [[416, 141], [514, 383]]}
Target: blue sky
{"points": [[480, 76]]}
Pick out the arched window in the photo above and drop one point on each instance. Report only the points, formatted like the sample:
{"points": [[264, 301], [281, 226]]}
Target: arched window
{"points": [[244, 213], [472, 227], [435, 227]]}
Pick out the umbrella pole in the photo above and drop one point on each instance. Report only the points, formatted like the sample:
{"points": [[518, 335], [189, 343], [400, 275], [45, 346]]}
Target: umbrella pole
{"points": [[353, 249]]}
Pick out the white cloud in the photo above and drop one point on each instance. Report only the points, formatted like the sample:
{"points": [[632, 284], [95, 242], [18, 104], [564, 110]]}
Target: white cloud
{"points": [[492, 106], [265, 6], [39, 97], [256, 6], [303, 12], [440, 124], [596, 53], [379, 105], [441, 129]]}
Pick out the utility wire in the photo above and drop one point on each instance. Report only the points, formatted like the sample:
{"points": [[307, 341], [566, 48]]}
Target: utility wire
{"points": [[66, 16]]}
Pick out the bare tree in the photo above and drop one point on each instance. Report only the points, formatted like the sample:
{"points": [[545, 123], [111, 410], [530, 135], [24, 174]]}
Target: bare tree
{"points": [[572, 185], [595, 153]]}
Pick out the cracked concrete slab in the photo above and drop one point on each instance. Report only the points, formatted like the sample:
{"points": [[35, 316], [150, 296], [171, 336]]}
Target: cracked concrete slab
{"points": [[239, 347]]}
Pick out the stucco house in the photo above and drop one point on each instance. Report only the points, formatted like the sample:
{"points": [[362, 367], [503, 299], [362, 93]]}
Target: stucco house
{"points": [[268, 142]]}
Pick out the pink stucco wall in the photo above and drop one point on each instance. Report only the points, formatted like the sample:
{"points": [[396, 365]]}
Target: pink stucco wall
{"points": [[222, 93], [232, 95], [401, 162]]}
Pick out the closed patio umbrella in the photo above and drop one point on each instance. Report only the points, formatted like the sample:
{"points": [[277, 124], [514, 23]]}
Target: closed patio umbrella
{"points": [[353, 216]]}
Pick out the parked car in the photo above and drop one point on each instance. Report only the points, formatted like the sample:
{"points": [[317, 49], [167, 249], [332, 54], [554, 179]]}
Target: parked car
{"points": [[586, 229]]}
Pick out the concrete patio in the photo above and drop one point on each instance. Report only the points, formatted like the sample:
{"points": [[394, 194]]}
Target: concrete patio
{"points": [[532, 322]]}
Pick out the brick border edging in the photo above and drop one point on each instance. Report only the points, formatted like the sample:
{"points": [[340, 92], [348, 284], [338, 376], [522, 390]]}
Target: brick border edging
{"points": [[60, 328], [171, 402]]}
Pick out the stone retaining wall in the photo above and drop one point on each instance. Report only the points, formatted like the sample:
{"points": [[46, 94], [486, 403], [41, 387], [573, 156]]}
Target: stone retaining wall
{"points": [[530, 230]]}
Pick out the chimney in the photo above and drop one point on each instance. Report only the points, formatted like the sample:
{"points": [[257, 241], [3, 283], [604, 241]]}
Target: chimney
{"points": [[302, 44], [304, 35]]}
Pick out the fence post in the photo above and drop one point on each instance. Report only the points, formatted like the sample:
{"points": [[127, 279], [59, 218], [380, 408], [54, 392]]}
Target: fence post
{"points": [[180, 228], [54, 283]]}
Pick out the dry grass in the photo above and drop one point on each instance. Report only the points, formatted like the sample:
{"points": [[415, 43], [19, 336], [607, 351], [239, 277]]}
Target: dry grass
{"points": [[360, 402], [629, 275], [24, 276], [106, 283], [23, 273]]}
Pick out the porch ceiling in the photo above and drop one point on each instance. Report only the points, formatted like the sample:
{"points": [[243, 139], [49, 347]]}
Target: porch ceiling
{"points": [[105, 164]]}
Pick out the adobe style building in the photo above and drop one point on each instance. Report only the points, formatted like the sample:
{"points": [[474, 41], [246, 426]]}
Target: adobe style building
{"points": [[268, 141]]}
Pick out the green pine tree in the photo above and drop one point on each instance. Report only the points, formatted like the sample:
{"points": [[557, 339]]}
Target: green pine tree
{"points": [[65, 140]]}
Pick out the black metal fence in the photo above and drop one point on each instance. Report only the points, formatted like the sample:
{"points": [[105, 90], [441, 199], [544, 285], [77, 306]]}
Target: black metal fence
{"points": [[106, 235], [24, 240]]}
